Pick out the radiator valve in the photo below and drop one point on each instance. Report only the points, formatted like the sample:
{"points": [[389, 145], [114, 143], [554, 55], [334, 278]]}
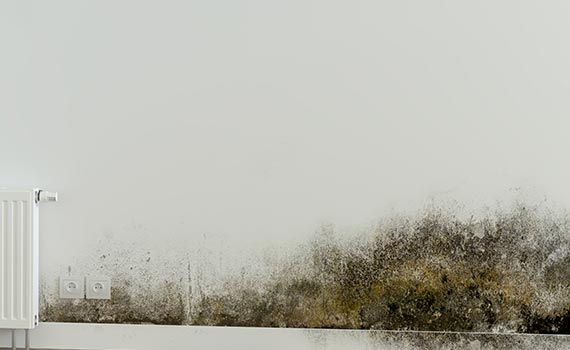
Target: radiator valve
{"points": [[45, 196]]}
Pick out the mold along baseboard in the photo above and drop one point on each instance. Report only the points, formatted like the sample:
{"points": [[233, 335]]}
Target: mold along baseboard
{"points": [[66, 336]]}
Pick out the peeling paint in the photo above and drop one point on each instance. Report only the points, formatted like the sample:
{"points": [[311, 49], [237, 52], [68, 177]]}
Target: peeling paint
{"points": [[505, 271]]}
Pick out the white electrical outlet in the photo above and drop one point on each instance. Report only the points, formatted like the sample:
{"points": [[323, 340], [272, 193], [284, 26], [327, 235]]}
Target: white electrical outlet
{"points": [[71, 287], [98, 288]]}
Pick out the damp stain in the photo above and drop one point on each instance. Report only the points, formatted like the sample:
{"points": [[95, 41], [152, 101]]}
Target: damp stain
{"points": [[161, 306], [506, 271]]}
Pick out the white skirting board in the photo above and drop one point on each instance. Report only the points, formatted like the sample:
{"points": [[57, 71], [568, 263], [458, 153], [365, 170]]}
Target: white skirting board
{"points": [[68, 336]]}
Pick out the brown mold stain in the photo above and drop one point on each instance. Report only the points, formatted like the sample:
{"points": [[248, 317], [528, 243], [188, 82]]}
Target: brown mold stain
{"points": [[505, 272]]}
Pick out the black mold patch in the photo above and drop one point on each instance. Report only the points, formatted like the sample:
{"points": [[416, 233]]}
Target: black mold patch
{"points": [[504, 272], [162, 306], [467, 341]]}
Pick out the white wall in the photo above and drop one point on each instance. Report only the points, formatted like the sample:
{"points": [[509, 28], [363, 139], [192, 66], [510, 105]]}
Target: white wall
{"points": [[242, 124]]}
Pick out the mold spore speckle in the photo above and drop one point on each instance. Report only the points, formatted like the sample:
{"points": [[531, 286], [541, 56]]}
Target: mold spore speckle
{"points": [[466, 341], [505, 271], [160, 306]]}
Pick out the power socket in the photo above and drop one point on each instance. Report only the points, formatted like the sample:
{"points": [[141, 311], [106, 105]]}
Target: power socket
{"points": [[98, 287], [71, 287]]}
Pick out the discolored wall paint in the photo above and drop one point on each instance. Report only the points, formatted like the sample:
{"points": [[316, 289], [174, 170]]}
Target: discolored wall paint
{"points": [[438, 271]]}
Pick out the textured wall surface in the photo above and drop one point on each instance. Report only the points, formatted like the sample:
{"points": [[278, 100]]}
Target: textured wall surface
{"points": [[504, 272]]}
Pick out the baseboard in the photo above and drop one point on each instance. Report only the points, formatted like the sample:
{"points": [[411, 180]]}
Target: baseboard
{"points": [[74, 336]]}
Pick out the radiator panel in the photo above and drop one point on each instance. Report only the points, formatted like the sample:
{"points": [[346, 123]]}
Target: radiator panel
{"points": [[18, 260]]}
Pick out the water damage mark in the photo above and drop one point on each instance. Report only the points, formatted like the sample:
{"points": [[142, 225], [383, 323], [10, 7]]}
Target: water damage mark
{"points": [[160, 306], [505, 271]]}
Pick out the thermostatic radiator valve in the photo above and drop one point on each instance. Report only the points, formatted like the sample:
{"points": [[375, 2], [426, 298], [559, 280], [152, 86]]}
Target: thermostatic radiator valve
{"points": [[45, 196]]}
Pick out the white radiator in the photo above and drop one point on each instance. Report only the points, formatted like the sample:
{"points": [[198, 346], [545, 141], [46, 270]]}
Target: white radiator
{"points": [[19, 257]]}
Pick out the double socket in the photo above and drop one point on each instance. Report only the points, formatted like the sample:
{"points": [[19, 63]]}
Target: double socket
{"points": [[90, 287]]}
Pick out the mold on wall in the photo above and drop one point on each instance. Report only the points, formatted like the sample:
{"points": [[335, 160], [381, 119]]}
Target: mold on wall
{"points": [[502, 271]]}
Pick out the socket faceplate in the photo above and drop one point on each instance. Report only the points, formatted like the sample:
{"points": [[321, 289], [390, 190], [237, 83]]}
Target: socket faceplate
{"points": [[71, 287], [98, 287]]}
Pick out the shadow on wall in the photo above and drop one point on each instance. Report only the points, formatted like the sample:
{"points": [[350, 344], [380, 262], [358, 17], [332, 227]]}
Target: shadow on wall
{"points": [[508, 271]]}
